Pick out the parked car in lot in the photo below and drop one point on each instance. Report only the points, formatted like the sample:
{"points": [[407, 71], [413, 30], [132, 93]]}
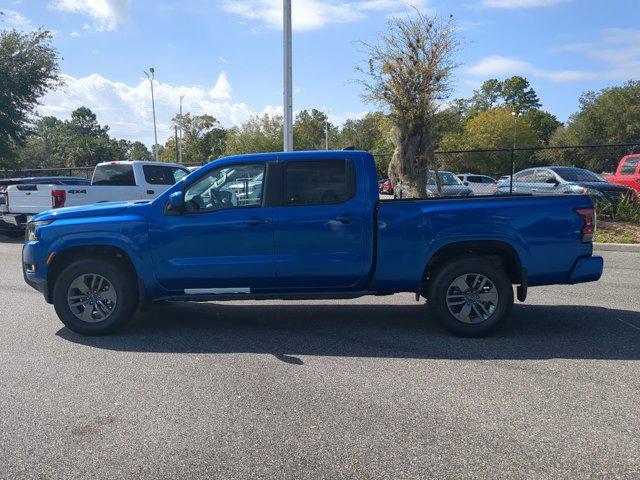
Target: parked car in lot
{"points": [[559, 180], [316, 230], [451, 185], [479, 184], [9, 227], [129, 180], [628, 172]]}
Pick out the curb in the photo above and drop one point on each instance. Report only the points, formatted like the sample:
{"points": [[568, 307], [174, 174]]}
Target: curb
{"points": [[616, 247]]}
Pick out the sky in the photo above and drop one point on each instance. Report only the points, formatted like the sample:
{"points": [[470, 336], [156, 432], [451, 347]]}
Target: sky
{"points": [[225, 56]]}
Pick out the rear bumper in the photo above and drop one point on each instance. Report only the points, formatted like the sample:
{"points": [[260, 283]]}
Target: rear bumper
{"points": [[13, 222], [587, 269]]}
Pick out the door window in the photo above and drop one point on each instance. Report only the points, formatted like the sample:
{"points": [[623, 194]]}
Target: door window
{"points": [[233, 186], [321, 182], [526, 176]]}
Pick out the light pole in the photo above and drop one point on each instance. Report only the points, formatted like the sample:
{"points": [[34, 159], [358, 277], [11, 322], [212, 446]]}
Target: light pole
{"points": [[288, 97], [180, 137], [516, 115], [150, 76]]}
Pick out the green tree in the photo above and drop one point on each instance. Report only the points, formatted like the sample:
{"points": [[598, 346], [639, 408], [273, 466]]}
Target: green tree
{"points": [[139, 151], [203, 138], [28, 68], [492, 129], [542, 122], [488, 96], [410, 74], [518, 94], [44, 147], [514, 92], [257, 134], [309, 130]]}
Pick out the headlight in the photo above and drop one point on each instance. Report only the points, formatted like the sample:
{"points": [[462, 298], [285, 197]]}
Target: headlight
{"points": [[31, 230]]}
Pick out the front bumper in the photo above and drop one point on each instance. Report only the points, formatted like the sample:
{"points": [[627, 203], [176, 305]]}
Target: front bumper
{"points": [[35, 278], [587, 269]]}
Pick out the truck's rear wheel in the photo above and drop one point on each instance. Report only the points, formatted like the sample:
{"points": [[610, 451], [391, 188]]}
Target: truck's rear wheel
{"points": [[94, 297], [470, 296]]}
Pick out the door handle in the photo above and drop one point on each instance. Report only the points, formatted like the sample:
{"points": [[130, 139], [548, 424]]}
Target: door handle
{"points": [[150, 192], [255, 221], [345, 219]]}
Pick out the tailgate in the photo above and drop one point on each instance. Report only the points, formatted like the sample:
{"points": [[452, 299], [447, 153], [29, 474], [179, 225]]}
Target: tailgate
{"points": [[29, 198]]}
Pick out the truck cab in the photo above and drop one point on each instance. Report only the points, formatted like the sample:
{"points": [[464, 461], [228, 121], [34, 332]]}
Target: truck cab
{"points": [[628, 172]]}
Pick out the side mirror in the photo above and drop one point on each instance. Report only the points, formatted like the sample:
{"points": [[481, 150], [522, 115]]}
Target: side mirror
{"points": [[176, 202], [552, 181], [466, 184]]}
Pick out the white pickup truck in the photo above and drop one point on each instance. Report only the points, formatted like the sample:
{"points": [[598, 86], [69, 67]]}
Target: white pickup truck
{"points": [[111, 181]]}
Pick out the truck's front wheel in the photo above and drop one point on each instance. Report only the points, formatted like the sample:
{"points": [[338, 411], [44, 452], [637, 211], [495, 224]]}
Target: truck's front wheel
{"points": [[470, 296], [94, 296]]}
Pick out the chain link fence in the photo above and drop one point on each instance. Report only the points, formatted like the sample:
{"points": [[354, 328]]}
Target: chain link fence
{"points": [[521, 171]]}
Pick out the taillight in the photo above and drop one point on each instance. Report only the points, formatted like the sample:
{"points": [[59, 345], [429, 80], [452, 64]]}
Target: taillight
{"points": [[589, 227], [6, 200], [58, 198]]}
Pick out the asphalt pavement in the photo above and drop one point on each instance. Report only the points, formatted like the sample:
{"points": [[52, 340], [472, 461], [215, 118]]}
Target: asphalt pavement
{"points": [[367, 388]]}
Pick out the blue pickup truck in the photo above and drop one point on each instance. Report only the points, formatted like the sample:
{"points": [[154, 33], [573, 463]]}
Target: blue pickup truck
{"points": [[305, 225]]}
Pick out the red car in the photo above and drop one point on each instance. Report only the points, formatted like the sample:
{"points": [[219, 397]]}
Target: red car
{"points": [[628, 172]]}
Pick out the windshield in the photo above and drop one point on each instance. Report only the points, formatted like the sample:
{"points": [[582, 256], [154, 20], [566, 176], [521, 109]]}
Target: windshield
{"points": [[446, 178], [572, 174]]}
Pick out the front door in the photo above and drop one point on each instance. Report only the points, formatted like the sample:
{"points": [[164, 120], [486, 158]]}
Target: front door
{"points": [[223, 242], [321, 227]]}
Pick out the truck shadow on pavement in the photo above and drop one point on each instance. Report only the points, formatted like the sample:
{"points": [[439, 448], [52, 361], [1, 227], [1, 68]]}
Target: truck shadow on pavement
{"points": [[386, 331]]}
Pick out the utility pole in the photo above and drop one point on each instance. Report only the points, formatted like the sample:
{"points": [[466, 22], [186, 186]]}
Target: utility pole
{"points": [[513, 150], [175, 127], [150, 75], [180, 123], [288, 97]]}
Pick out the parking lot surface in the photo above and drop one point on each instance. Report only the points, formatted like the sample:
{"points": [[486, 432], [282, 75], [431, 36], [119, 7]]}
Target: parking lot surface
{"points": [[368, 388]]}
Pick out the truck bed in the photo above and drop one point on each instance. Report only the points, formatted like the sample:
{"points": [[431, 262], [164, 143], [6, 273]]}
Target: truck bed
{"points": [[544, 231]]}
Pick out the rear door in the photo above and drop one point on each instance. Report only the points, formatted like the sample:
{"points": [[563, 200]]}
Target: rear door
{"points": [[320, 232], [546, 183]]}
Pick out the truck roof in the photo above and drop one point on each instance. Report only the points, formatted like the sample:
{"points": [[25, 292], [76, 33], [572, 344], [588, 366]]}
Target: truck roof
{"points": [[142, 162]]}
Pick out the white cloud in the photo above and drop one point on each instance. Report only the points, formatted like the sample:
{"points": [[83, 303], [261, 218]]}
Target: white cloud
{"points": [[13, 19], [313, 14], [511, 4], [222, 89], [127, 108], [106, 14], [617, 50], [498, 66]]}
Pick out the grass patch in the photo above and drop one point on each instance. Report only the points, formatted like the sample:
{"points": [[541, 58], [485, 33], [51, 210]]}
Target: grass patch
{"points": [[617, 232]]}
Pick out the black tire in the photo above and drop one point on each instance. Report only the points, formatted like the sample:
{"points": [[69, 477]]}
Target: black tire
{"points": [[441, 282], [121, 280]]}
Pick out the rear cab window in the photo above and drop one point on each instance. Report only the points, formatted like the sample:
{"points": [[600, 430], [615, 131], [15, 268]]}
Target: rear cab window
{"points": [[319, 182], [630, 166], [163, 174], [114, 174]]}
